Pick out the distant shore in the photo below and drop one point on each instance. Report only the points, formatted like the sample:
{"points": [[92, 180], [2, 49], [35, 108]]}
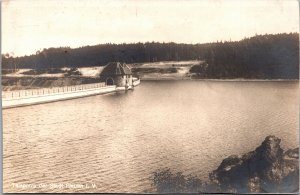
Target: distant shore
{"points": [[10, 83], [228, 80], [156, 71]]}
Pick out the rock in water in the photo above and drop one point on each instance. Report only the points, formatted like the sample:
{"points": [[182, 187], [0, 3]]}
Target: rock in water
{"points": [[267, 169]]}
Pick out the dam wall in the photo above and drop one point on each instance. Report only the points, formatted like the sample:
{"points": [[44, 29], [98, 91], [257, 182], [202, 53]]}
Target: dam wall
{"points": [[18, 98]]}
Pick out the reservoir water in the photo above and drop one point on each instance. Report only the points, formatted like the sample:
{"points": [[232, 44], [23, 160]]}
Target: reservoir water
{"points": [[114, 142]]}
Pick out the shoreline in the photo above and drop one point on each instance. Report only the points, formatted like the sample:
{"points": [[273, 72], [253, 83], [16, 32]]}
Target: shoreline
{"points": [[221, 80], [23, 83]]}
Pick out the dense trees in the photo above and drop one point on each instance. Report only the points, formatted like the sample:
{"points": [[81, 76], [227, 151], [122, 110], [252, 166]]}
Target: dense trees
{"points": [[262, 56]]}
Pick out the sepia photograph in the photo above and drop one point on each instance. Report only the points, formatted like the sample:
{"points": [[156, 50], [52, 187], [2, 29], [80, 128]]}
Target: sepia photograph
{"points": [[150, 96]]}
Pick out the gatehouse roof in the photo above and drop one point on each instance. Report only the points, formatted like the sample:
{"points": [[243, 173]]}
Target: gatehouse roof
{"points": [[116, 68]]}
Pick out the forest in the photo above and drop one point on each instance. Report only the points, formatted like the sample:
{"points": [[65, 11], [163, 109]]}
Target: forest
{"points": [[269, 56]]}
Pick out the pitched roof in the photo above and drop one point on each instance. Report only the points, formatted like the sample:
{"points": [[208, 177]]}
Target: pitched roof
{"points": [[116, 68]]}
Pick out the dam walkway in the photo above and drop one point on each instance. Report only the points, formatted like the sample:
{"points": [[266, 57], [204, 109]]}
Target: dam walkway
{"points": [[43, 95]]}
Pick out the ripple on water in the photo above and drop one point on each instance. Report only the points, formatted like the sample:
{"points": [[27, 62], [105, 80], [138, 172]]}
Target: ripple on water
{"points": [[118, 141]]}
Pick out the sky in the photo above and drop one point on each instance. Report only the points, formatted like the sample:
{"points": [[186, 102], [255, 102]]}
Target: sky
{"points": [[31, 25]]}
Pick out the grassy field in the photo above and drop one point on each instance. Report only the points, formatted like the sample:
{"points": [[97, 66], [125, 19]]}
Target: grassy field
{"points": [[164, 70]]}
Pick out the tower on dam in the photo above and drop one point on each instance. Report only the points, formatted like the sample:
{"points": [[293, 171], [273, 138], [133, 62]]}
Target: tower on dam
{"points": [[116, 73]]}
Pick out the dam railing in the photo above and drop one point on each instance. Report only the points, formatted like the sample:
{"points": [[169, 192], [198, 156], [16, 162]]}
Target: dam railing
{"points": [[16, 94]]}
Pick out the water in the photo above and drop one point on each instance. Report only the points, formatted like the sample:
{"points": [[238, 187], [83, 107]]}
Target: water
{"points": [[116, 141]]}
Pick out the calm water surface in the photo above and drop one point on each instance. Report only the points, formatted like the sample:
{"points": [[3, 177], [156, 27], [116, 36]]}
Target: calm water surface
{"points": [[116, 141]]}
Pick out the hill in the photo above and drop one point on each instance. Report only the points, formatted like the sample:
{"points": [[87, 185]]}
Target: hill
{"points": [[259, 57]]}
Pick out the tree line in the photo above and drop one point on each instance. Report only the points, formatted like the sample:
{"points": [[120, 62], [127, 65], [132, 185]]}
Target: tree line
{"points": [[262, 56]]}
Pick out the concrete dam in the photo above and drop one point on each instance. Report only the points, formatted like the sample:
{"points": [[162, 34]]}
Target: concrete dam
{"points": [[115, 77]]}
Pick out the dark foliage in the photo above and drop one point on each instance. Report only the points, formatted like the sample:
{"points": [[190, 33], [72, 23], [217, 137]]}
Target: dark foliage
{"points": [[262, 56], [73, 72], [167, 182]]}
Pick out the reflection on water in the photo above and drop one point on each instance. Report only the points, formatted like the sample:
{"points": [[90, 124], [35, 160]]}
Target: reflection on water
{"points": [[116, 141]]}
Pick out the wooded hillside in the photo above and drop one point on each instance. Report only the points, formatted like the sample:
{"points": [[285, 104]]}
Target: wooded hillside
{"points": [[261, 56]]}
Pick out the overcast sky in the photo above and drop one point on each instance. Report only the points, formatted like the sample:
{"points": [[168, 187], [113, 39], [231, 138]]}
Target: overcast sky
{"points": [[30, 25]]}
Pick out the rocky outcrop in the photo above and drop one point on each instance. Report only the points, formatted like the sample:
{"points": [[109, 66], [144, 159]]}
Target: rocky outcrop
{"points": [[267, 169]]}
